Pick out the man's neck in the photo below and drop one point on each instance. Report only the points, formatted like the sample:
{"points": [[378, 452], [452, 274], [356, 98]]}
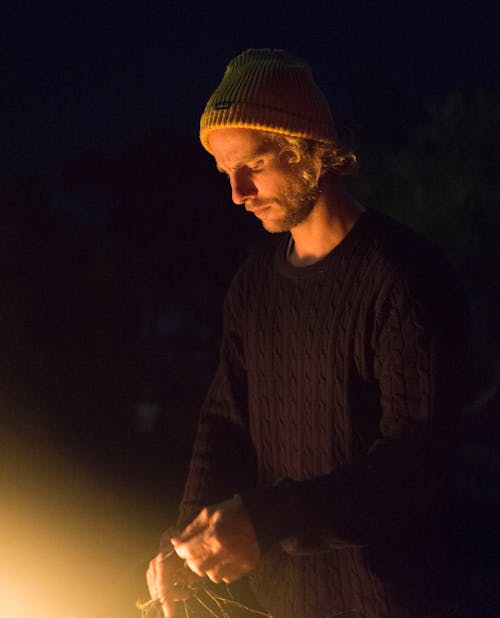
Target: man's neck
{"points": [[331, 219]]}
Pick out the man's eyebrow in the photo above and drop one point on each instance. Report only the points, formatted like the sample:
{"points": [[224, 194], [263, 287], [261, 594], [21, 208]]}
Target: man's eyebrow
{"points": [[238, 165], [246, 160]]}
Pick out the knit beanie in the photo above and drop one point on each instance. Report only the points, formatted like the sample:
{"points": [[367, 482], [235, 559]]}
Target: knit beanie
{"points": [[271, 90]]}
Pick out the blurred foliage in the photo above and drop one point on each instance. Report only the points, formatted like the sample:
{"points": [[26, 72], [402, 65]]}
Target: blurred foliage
{"points": [[438, 174], [441, 176]]}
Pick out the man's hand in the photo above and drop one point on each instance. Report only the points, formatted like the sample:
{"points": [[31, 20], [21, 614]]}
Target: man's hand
{"points": [[220, 542], [169, 581]]}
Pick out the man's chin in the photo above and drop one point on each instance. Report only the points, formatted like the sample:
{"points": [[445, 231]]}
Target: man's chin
{"points": [[274, 227]]}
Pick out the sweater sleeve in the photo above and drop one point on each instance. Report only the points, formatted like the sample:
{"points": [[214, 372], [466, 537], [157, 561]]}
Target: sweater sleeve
{"points": [[418, 347], [223, 459]]}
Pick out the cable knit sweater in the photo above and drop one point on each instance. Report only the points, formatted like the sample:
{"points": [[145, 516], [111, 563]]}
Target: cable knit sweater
{"points": [[333, 413]]}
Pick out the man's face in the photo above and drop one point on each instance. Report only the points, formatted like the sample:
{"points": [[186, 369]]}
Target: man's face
{"points": [[272, 189]]}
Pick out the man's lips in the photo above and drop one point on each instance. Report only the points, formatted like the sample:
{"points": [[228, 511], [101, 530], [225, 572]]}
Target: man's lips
{"points": [[260, 210]]}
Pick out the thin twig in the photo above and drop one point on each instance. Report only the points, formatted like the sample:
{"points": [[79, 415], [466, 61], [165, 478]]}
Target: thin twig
{"points": [[205, 605], [241, 605], [166, 556], [218, 603], [147, 606]]}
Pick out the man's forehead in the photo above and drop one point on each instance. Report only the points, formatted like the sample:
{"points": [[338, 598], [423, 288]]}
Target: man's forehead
{"points": [[237, 147]]}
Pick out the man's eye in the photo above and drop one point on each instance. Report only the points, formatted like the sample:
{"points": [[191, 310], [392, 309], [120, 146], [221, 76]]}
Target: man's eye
{"points": [[257, 167]]}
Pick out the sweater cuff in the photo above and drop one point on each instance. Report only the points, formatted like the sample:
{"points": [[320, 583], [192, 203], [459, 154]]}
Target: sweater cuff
{"points": [[272, 511]]}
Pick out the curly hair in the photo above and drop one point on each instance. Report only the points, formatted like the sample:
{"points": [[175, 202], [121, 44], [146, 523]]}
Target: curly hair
{"points": [[317, 158]]}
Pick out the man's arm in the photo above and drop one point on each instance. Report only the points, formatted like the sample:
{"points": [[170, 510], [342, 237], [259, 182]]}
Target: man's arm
{"points": [[223, 459], [418, 343]]}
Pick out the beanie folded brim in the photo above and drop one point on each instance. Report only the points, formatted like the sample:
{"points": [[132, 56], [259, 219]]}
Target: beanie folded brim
{"points": [[269, 90], [247, 116]]}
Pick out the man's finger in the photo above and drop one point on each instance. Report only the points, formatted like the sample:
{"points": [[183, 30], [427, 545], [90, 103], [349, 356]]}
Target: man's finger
{"points": [[209, 563], [229, 573], [195, 548], [167, 609], [199, 523], [151, 580], [226, 571]]}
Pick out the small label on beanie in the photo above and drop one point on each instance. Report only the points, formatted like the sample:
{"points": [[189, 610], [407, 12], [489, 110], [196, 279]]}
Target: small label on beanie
{"points": [[222, 105]]}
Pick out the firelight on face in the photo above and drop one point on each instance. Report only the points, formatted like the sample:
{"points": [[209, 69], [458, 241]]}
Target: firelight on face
{"points": [[272, 189]]}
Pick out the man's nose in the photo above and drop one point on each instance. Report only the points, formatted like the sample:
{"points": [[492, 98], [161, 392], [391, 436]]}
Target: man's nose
{"points": [[242, 187]]}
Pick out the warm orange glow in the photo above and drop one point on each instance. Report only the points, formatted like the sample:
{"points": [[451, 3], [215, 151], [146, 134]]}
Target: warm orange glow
{"points": [[70, 545]]}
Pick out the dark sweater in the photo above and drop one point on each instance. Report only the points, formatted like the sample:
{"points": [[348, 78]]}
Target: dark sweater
{"points": [[333, 413]]}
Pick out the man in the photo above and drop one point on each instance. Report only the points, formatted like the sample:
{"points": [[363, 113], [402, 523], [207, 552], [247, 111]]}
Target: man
{"points": [[323, 451]]}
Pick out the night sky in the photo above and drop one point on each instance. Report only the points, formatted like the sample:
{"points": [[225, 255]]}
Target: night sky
{"points": [[76, 75]]}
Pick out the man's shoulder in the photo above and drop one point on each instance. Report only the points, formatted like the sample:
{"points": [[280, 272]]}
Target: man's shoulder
{"points": [[395, 243], [396, 235], [404, 258]]}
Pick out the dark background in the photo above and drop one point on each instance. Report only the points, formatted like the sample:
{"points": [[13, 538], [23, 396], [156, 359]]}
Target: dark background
{"points": [[118, 240]]}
